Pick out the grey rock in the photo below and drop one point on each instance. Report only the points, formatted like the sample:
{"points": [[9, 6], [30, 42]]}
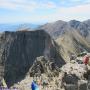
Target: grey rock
{"points": [[82, 85], [71, 87], [70, 79], [88, 86], [43, 66]]}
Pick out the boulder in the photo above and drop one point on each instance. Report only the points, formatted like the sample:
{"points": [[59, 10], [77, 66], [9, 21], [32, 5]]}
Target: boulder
{"points": [[82, 85], [71, 87]]}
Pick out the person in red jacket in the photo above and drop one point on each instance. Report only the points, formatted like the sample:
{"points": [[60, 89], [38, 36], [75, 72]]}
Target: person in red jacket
{"points": [[86, 59]]}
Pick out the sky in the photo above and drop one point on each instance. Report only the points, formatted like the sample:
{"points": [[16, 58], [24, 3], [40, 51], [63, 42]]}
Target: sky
{"points": [[43, 11]]}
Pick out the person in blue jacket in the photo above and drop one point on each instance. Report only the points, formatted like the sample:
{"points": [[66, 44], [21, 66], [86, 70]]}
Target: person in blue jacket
{"points": [[34, 86]]}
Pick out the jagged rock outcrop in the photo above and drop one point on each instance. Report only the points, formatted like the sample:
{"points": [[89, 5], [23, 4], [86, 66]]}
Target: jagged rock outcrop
{"points": [[43, 66], [18, 50]]}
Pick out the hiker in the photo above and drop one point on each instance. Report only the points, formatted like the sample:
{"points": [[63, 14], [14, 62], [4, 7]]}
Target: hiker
{"points": [[44, 84], [34, 86], [72, 57], [3, 83], [86, 59]]}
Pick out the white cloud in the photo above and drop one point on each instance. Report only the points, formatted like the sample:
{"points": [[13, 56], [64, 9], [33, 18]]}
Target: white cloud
{"points": [[7, 5], [75, 10], [18, 5], [26, 5], [78, 12]]}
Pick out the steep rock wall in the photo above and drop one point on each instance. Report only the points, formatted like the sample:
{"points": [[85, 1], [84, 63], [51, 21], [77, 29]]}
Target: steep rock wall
{"points": [[18, 50]]}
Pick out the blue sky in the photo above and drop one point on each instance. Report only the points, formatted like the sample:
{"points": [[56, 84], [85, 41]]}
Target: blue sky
{"points": [[42, 11]]}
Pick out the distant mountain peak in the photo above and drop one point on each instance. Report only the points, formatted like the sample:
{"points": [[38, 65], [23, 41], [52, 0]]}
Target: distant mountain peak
{"points": [[74, 23]]}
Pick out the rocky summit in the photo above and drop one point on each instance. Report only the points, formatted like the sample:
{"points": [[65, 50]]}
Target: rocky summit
{"points": [[18, 51]]}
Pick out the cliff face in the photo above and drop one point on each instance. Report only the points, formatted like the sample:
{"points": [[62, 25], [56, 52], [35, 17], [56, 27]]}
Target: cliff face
{"points": [[18, 50]]}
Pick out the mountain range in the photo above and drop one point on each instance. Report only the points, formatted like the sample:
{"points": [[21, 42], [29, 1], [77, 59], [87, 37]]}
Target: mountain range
{"points": [[59, 27], [28, 52], [73, 37]]}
